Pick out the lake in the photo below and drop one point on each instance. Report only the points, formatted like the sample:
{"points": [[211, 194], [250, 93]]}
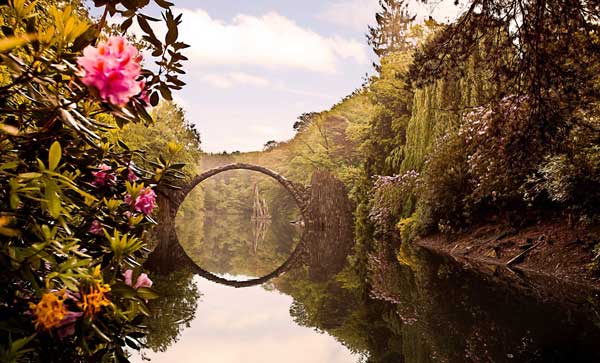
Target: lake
{"points": [[405, 305]]}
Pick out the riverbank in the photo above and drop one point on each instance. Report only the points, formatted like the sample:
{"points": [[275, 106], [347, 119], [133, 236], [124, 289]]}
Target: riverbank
{"points": [[552, 249]]}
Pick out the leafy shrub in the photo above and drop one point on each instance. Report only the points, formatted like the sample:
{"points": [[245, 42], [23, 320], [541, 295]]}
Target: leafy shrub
{"points": [[74, 204], [392, 198], [570, 180], [499, 149], [484, 167], [445, 186]]}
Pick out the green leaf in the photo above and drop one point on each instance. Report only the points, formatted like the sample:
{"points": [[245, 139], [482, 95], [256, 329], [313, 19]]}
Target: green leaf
{"points": [[144, 308], [52, 199], [54, 155], [145, 26], [21, 343], [178, 166], [165, 92], [126, 24], [147, 293], [132, 343], [85, 39], [100, 333], [31, 175], [154, 98], [10, 43], [164, 4], [123, 290], [172, 33]]}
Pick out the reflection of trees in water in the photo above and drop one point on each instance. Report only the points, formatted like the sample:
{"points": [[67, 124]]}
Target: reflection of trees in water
{"points": [[445, 313], [329, 230], [173, 311]]}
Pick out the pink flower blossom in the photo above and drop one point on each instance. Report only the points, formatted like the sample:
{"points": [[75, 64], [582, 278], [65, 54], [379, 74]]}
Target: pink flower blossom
{"points": [[131, 176], [102, 177], [142, 281], [112, 69], [96, 228], [127, 275], [144, 96], [67, 324], [145, 202]]}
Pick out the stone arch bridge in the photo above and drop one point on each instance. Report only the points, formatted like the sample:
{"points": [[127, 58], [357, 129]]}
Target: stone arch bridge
{"points": [[175, 197], [324, 207]]}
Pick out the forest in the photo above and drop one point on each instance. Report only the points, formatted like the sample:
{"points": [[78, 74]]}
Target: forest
{"points": [[477, 138], [487, 126]]}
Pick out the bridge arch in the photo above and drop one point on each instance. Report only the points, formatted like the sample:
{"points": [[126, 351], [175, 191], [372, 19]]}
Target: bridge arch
{"points": [[176, 197], [298, 191]]}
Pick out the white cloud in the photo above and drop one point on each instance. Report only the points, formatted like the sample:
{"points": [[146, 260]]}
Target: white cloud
{"points": [[232, 79], [249, 79], [270, 40], [355, 14]]}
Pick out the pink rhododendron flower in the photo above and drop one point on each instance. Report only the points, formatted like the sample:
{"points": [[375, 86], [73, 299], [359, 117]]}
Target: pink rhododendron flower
{"points": [[145, 202], [103, 177], [96, 228], [142, 281], [127, 275], [112, 68], [131, 176], [144, 96]]}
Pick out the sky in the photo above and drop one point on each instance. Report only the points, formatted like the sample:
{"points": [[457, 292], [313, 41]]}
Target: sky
{"points": [[255, 66]]}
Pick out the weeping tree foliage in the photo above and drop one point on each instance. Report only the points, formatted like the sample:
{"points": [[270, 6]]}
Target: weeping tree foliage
{"points": [[544, 50], [439, 107]]}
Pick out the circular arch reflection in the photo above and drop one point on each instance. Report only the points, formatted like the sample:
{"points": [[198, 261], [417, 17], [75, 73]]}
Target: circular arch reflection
{"points": [[295, 190]]}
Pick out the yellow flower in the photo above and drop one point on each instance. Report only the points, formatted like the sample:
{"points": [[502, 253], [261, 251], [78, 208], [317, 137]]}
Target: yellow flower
{"points": [[92, 302], [50, 311]]}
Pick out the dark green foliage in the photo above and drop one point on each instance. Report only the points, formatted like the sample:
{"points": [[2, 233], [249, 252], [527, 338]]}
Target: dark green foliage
{"points": [[70, 222], [445, 185], [173, 311], [498, 102]]}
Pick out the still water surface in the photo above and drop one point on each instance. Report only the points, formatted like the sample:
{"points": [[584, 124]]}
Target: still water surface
{"points": [[250, 325], [418, 307]]}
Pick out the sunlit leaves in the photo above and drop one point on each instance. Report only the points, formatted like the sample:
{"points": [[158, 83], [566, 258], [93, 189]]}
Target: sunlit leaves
{"points": [[10, 43], [123, 245], [54, 156], [65, 29]]}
